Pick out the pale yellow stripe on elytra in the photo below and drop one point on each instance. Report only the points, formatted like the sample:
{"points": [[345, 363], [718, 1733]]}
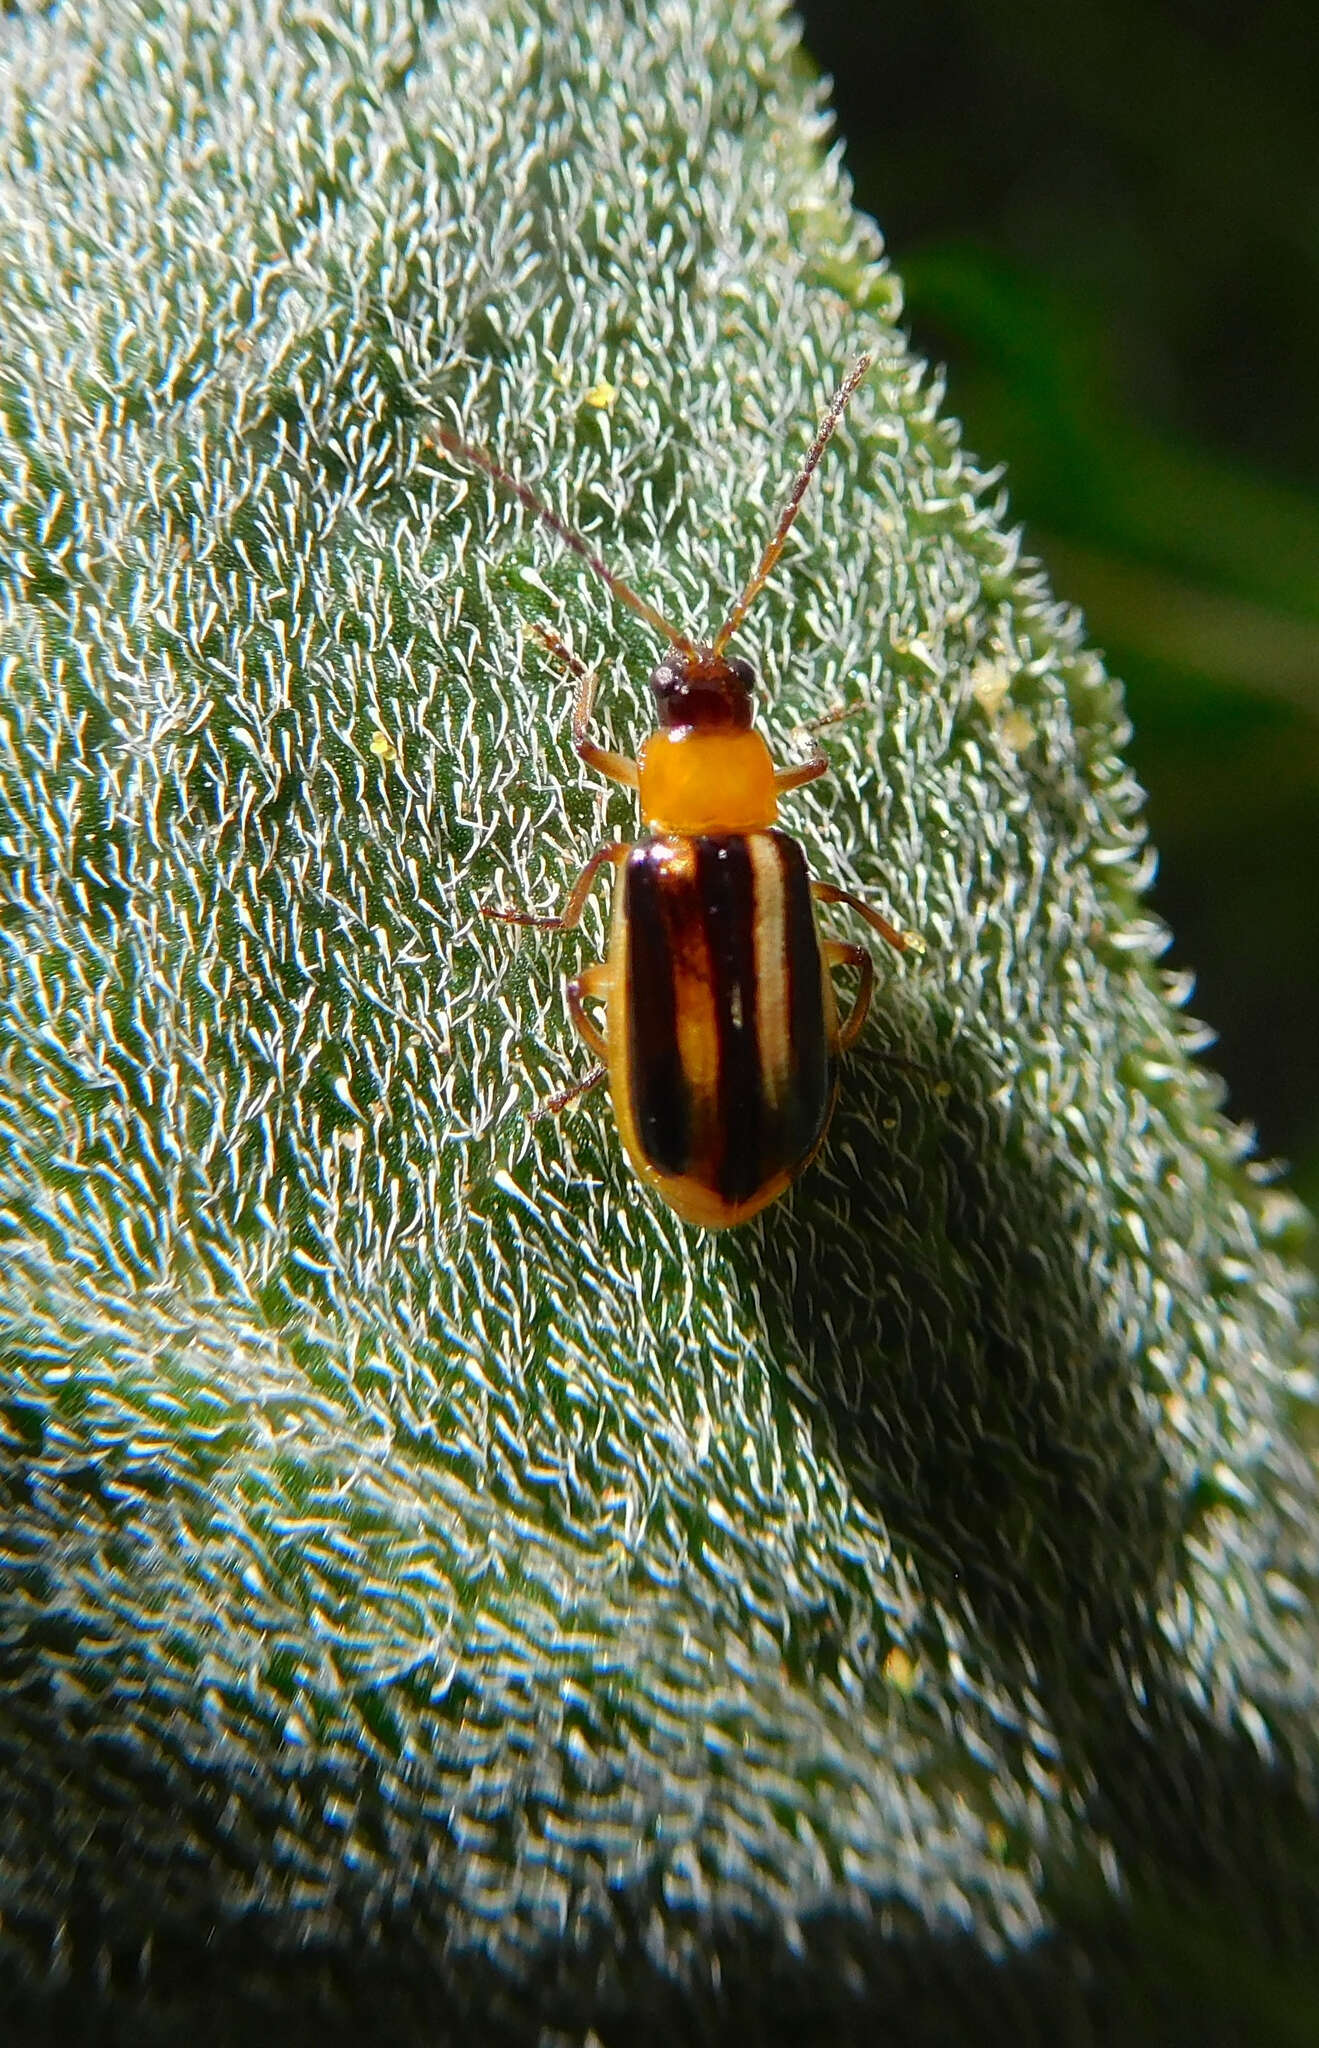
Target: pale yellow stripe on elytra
{"points": [[616, 1033], [772, 1013]]}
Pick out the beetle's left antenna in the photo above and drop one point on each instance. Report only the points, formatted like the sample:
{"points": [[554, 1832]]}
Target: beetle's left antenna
{"points": [[837, 407], [566, 534]]}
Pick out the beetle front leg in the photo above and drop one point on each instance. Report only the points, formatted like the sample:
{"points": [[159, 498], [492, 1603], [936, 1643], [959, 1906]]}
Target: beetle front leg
{"points": [[618, 767], [571, 913], [817, 763], [806, 771]]}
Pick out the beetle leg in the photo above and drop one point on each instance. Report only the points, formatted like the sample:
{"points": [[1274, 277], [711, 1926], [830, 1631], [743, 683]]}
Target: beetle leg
{"points": [[805, 771], [590, 986], [615, 851], [618, 767], [818, 763], [838, 953], [827, 892]]}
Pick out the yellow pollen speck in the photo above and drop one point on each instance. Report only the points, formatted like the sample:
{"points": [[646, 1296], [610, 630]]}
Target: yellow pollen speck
{"points": [[382, 746], [990, 683], [602, 395], [899, 1669], [1018, 730]]}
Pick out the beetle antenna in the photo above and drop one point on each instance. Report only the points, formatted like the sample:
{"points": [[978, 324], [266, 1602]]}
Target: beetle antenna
{"points": [[837, 407], [566, 534]]}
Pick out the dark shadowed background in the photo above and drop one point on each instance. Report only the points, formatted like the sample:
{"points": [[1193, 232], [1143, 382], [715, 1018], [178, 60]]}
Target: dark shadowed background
{"points": [[1107, 220]]}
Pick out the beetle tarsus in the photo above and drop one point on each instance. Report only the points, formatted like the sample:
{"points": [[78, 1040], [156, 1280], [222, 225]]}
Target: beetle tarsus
{"points": [[556, 1103], [544, 924]]}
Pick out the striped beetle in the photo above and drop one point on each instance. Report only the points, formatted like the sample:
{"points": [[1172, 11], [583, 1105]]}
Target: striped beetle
{"points": [[721, 1035]]}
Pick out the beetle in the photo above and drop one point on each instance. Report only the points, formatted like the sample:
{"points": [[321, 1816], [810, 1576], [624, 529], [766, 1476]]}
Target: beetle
{"points": [[721, 1034]]}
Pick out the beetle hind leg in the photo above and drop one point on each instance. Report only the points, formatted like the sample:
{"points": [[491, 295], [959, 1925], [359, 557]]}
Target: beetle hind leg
{"points": [[565, 1096], [838, 953], [592, 985]]}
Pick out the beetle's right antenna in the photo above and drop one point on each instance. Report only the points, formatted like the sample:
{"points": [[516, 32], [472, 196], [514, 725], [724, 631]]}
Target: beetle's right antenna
{"points": [[837, 407], [622, 590]]}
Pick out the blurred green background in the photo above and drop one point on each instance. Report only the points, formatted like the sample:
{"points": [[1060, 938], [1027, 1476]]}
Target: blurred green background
{"points": [[1107, 220]]}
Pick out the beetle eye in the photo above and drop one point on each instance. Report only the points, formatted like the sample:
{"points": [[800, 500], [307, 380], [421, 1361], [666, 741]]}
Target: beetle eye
{"points": [[743, 670]]}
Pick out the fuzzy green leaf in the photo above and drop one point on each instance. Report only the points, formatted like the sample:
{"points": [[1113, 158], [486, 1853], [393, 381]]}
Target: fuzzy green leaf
{"points": [[438, 1582]]}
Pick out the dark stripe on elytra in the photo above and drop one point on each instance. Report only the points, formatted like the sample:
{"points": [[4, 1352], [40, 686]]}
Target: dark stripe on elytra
{"points": [[807, 1103], [660, 1106], [725, 884]]}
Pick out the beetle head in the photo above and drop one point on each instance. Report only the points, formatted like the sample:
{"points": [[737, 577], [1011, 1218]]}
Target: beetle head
{"points": [[711, 692]]}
